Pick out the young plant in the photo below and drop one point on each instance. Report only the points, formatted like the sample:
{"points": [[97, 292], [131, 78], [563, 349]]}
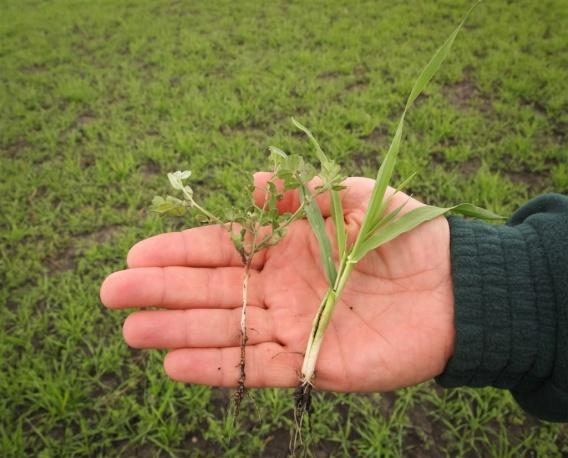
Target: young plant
{"points": [[378, 227], [251, 228]]}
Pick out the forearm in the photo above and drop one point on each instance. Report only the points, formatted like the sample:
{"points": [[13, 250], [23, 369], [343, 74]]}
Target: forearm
{"points": [[511, 306]]}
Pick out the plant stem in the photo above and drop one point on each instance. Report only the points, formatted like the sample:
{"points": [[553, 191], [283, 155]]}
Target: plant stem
{"points": [[319, 326], [299, 213], [295, 216], [241, 389], [248, 257], [209, 215], [322, 319]]}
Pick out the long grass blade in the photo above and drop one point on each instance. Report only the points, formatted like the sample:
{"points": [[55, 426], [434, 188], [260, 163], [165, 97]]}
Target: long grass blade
{"points": [[374, 211], [473, 211], [388, 217], [435, 62], [405, 182], [404, 224], [336, 206], [415, 218], [315, 218], [339, 222], [376, 202]]}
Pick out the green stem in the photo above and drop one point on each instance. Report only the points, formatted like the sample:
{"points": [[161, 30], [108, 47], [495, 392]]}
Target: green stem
{"points": [[209, 215], [298, 213], [322, 319], [295, 216]]}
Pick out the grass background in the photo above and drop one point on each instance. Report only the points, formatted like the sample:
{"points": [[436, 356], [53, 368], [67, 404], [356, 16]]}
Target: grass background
{"points": [[98, 100]]}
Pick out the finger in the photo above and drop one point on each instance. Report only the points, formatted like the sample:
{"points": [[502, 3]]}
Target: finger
{"points": [[291, 199], [354, 197], [207, 246], [195, 328], [267, 365], [180, 287]]}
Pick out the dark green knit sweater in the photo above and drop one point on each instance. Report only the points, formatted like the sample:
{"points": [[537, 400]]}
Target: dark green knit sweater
{"points": [[511, 306]]}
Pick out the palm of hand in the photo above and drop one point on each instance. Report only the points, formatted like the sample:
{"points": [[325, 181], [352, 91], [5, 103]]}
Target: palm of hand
{"points": [[392, 327], [393, 324]]}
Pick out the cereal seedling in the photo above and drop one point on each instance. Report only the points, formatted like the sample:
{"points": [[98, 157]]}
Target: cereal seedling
{"points": [[378, 227]]}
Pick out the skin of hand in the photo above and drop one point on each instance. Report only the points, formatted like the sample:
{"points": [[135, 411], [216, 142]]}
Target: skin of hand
{"points": [[393, 326]]}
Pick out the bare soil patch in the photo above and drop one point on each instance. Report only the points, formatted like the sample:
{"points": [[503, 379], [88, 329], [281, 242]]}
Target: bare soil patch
{"points": [[464, 94], [14, 150], [65, 258]]}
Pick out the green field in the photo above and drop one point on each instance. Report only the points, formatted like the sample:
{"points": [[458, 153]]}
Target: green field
{"points": [[98, 100]]}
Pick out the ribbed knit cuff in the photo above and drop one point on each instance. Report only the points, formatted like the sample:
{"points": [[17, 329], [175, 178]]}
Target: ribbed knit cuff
{"points": [[504, 307]]}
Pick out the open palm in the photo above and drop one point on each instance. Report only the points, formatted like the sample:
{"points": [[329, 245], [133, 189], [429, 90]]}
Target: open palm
{"points": [[393, 326]]}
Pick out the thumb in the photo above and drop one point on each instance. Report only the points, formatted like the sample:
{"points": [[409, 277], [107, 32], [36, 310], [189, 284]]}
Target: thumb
{"points": [[290, 202]]}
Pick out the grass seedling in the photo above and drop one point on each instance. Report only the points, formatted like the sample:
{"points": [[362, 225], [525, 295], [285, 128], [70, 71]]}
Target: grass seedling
{"points": [[378, 227]]}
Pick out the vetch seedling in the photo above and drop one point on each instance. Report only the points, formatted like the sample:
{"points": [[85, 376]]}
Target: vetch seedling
{"points": [[251, 228]]}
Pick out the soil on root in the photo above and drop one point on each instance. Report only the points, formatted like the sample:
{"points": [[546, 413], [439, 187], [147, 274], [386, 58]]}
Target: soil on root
{"points": [[241, 388], [302, 407]]}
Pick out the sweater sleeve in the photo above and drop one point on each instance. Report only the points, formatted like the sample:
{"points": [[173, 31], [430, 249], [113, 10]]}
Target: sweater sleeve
{"points": [[511, 306]]}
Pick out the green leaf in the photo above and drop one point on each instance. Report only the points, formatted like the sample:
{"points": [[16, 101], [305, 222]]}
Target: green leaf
{"points": [[272, 196], [330, 170], [473, 211], [315, 218], [291, 169], [412, 219], [432, 67], [293, 162], [404, 224], [377, 202], [277, 151], [339, 222], [338, 187], [177, 178], [376, 207], [319, 152], [388, 217], [330, 176], [404, 183], [188, 193], [277, 157], [306, 171], [237, 242], [385, 219], [169, 206]]}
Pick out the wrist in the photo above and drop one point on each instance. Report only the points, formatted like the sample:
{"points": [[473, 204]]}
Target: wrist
{"points": [[449, 302], [503, 314]]}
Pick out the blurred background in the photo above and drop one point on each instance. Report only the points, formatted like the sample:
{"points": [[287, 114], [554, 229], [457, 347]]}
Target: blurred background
{"points": [[100, 99]]}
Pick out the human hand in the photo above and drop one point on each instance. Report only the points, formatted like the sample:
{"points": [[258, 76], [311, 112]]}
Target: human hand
{"points": [[393, 326]]}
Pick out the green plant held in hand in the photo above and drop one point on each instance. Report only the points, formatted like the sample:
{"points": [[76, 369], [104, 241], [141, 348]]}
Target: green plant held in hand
{"points": [[254, 228], [378, 227], [251, 228]]}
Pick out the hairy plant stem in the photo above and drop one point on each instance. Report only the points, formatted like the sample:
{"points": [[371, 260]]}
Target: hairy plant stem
{"points": [[241, 389], [209, 215], [247, 256]]}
